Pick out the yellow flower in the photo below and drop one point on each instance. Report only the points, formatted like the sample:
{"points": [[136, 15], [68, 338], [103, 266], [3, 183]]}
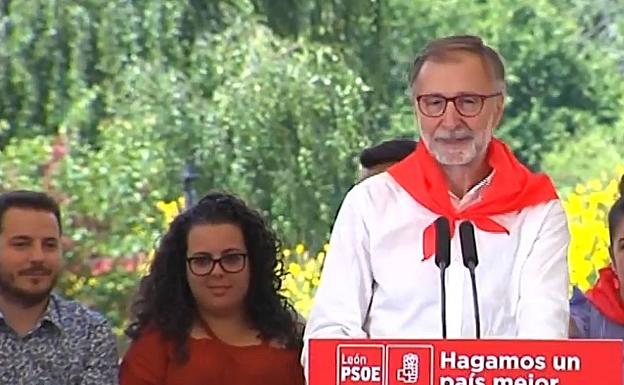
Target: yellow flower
{"points": [[303, 277], [580, 189], [586, 209], [294, 269], [594, 184]]}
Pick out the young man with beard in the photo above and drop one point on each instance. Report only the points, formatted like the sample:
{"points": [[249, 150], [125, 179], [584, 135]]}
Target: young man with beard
{"points": [[44, 339], [379, 278]]}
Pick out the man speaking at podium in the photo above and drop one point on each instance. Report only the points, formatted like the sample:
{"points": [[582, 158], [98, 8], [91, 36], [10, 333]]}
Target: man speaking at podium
{"points": [[380, 278]]}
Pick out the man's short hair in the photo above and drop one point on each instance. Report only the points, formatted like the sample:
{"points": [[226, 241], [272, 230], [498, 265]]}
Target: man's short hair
{"points": [[440, 50], [389, 151], [26, 199]]}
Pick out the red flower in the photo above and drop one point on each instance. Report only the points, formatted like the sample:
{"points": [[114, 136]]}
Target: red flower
{"points": [[101, 266]]}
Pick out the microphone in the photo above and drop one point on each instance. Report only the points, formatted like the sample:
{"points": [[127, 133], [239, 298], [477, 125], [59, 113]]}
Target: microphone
{"points": [[469, 254], [443, 260]]}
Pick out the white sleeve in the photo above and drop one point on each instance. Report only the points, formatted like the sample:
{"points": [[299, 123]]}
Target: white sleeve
{"points": [[344, 293], [543, 308]]}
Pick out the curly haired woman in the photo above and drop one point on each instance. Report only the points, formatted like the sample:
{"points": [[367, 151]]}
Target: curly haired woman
{"points": [[210, 311]]}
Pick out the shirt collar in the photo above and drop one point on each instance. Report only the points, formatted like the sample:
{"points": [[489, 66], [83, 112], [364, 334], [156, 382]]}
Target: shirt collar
{"points": [[473, 195], [51, 314]]}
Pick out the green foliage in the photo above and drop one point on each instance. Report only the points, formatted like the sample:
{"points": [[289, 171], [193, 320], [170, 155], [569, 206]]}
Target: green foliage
{"points": [[102, 103], [107, 200], [285, 114], [554, 83], [156, 115], [585, 156], [557, 77], [55, 53]]}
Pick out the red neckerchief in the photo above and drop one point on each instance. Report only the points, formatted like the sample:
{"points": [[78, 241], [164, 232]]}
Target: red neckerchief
{"points": [[605, 295], [512, 188]]}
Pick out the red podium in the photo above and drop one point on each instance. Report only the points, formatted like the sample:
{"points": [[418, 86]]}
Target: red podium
{"points": [[465, 362]]}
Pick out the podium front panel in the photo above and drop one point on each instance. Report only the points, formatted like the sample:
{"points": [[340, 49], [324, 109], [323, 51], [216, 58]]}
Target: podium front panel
{"points": [[465, 362]]}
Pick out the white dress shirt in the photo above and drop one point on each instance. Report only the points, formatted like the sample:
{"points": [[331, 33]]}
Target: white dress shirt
{"points": [[375, 283]]}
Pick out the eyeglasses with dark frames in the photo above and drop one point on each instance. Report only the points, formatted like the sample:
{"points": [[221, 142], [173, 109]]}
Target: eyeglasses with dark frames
{"points": [[467, 105], [202, 264]]}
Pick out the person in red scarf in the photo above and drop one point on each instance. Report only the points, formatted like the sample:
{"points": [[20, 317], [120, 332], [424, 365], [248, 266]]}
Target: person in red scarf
{"points": [[599, 313], [379, 278]]}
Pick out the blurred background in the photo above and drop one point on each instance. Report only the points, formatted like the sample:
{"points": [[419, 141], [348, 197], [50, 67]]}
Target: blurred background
{"points": [[124, 110]]}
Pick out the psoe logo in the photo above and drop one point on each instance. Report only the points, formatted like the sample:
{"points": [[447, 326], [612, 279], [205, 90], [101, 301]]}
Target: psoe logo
{"points": [[408, 373], [409, 364], [360, 364]]}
